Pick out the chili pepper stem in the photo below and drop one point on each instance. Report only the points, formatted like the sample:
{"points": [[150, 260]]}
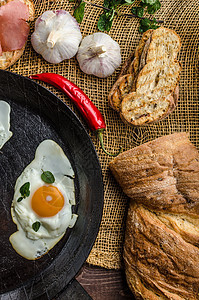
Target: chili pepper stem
{"points": [[99, 133]]}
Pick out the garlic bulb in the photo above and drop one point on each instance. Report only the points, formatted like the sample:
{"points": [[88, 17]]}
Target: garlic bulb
{"points": [[56, 36], [99, 55]]}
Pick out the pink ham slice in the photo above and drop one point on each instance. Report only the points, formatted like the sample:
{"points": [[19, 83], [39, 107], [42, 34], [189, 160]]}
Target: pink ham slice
{"points": [[13, 27]]}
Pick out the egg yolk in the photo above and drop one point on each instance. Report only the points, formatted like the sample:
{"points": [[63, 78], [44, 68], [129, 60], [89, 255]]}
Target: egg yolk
{"points": [[47, 201]]}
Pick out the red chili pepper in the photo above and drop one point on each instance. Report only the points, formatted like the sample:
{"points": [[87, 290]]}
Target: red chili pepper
{"points": [[88, 110]]}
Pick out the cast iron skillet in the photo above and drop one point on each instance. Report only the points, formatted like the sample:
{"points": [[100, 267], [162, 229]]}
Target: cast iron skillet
{"points": [[37, 114]]}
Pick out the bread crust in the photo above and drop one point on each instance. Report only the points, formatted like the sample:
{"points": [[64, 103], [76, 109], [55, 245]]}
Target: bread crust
{"points": [[140, 48], [161, 246], [169, 270], [8, 58], [122, 87]]}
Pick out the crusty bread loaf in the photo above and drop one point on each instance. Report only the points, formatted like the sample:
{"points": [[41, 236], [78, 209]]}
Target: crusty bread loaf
{"points": [[161, 247], [8, 58], [151, 94]]}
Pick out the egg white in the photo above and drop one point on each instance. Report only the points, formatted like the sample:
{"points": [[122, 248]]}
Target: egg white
{"points": [[28, 243], [5, 133]]}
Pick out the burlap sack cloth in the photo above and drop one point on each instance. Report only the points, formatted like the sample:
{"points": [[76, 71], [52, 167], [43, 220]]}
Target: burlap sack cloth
{"points": [[183, 17]]}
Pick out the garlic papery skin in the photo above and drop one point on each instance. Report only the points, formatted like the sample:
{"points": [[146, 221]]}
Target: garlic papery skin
{"points": [[57, 36], [99, 55]]}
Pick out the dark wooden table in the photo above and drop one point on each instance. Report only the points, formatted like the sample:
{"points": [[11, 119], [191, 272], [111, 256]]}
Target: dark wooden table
{"points": [[103, 284]]}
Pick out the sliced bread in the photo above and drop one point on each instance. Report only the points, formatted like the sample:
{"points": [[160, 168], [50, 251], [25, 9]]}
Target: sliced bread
{"points": [[155, 96], [154, 91], [127, 78]]}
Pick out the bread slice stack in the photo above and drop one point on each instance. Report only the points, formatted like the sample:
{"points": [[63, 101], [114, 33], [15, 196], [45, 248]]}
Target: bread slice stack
{"points": [[147, 89], [161, 248]]}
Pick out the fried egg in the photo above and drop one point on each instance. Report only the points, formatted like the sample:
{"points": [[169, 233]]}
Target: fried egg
{"points": [[5, 133], [42, 208]]}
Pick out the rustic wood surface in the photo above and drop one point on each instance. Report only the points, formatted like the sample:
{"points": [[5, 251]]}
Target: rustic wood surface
{"points": [[103, 284]]}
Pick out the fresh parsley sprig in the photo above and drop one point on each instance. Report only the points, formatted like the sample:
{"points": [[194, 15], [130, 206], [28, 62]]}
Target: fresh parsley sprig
{"points": [[150, 6], [111, 10]]}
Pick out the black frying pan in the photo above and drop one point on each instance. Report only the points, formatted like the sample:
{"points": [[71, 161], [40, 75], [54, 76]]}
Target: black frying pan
{"points": [[37, 114]]}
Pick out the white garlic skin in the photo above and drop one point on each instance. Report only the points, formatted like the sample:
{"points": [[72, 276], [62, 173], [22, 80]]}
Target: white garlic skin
{"points": [[57, 36], [99, 55]]}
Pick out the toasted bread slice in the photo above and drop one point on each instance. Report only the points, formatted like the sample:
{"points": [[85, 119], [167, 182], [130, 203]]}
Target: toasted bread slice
{"points": [[154, 92], [8, 58], [139, 50], [123, 86], [143, 56], [127, 78], [164, 46], [155, 97]]}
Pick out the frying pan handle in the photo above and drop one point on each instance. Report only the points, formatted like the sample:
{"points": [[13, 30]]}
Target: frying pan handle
{"points": [[74, 291]]}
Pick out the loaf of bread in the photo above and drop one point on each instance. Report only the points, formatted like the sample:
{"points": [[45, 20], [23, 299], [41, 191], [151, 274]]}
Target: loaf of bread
{"points": [[8, 58], [147, 89], [161, 249]]}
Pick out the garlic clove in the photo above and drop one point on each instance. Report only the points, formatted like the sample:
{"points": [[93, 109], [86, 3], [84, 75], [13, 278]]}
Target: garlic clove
{"points": [[56, 36], [99, 55]]}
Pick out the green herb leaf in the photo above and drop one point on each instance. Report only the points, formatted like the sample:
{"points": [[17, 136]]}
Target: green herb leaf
{"points": [[140, 11], [36, 226], [108, 4], [79, 12], [154, 26], [151, 9], [104, 23], [134, 10], [25, 190], [148, 2], [119, 2], [143, 4], [129, 1], [112, 4], [146, 24], [20, 199], [111, 9], [47, 177]]}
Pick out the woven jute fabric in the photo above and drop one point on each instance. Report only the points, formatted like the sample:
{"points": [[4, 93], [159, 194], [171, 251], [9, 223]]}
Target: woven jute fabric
{"points": [[183, 17]]}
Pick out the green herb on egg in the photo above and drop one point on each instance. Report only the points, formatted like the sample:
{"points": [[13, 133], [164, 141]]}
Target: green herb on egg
{"points": [[24, 191], [36, 226], [19, 199], [47, 177]]}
